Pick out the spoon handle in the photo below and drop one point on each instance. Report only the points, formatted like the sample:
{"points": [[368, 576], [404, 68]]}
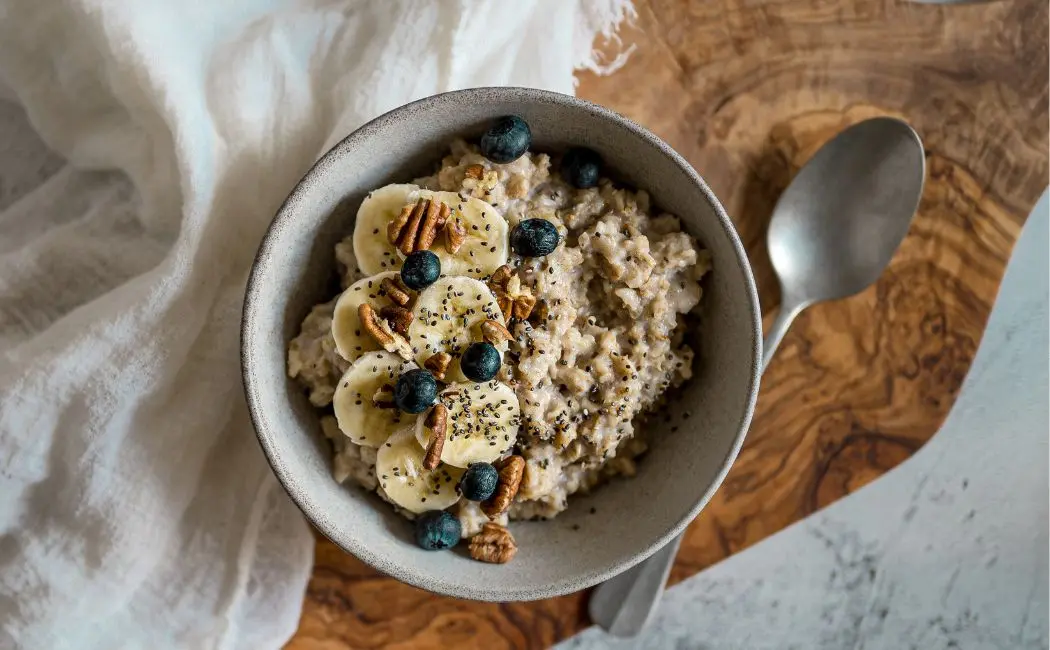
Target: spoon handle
{"points": [[777, 330], [623, 604]]}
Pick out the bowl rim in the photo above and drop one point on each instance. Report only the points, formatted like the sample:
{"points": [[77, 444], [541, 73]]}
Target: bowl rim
{"points": [[502, 592]]}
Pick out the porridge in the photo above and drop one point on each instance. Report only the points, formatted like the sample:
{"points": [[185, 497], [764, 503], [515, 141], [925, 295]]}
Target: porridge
{"points": [[503, 328]]}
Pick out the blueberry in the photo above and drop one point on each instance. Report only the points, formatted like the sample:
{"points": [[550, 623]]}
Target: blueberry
{"points": [[534, 238], [420, 270], [479, 481], [480, 361], [580, 167], [415, 391], [507, 140], [437, 530]]}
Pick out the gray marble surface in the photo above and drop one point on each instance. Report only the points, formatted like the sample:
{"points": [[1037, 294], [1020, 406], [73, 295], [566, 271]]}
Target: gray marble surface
{"points": [[948, 550]]}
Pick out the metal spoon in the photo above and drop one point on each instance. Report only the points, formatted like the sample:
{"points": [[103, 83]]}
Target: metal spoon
{"points": [[832, 233]]}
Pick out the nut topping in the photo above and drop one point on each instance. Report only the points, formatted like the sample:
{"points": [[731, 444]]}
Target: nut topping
{"points": [[494, 544], [511, 470], [405, 238], [437, 422], [438, 365], [540, 312], [436, 217], [417, 226], [505, 302], [398, 317], [381, 331], [476, 172], [495, 332], [523, 305], [455, 235], [396, 291], [500, 277], [394, 228]]}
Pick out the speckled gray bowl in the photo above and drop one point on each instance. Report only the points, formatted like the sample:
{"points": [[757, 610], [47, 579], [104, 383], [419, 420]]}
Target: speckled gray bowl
{"points": [[631, 518]]}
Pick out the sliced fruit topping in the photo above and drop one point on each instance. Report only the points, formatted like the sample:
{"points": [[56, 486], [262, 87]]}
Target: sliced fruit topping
{"points": [[399, 466], [351, 338], [482, 423], [363, 402], [448, 316]]}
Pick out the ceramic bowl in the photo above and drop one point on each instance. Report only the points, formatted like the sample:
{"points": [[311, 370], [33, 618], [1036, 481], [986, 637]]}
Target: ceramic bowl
{"points": [[601, 534]]}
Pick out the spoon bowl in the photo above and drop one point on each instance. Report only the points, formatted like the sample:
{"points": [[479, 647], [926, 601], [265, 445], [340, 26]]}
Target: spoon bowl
{"points": [[841, 219]]}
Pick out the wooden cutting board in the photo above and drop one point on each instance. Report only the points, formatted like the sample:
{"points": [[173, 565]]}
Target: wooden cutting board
{"points": [[747, 91]]}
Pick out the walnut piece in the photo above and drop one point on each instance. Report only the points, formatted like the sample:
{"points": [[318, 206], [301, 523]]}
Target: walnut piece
{"points": [[511, 470], [505, 302], [455, 235], [398, 317], [494, 544], [438, 365], [437, 422], [523, 305], [500, 277], [495, 332], [539, 313], [475, 171]]}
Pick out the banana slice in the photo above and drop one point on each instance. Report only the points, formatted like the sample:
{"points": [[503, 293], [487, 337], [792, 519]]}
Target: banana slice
{"points": [[373, 251], [351, 340], [483, 250], [447, 317], [482, 423], [359, 418], [399, 466]]}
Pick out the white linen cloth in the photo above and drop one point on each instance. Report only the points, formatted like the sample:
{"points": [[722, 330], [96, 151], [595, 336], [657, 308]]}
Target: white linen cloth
{"points": [[136, 509]]}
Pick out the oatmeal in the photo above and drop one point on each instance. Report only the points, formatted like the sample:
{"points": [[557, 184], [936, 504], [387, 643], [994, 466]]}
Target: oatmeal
{"points": [[556, 324]]}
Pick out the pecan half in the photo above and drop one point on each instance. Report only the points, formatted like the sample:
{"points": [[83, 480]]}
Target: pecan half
{"points": [[505, 302], [438, 365], [455, 235], [437, 422], [405, 238], [511, 470], [417, 226], [437, 215], [495, 332], [398, 317], [396, 291], [381, 331], [476, 172], [394, 228], [523, 305], [370, 321], [494, 544]]}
